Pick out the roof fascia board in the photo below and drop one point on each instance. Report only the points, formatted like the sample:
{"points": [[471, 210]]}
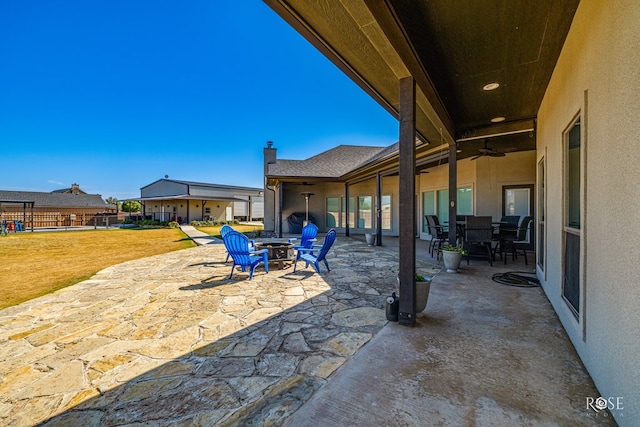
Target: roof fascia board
{"points": [[434, 123], [423, 151], [392, 27]]}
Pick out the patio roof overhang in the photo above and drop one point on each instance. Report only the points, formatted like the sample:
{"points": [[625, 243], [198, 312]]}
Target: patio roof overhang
{"points": [[457, 74], [452, 50]]}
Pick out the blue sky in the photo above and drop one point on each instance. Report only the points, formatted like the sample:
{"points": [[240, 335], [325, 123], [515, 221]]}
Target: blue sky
{"points": [[113, 95]]}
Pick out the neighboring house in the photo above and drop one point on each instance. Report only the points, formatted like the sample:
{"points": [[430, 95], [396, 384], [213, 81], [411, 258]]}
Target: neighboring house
{"points": [[186, 201], [59, 208], [563, 74]]}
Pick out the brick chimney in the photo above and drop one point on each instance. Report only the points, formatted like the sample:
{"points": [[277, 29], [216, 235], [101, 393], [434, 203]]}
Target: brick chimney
{"points": [[75, 189]]}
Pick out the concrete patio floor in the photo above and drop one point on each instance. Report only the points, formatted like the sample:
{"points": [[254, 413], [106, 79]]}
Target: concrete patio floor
{"points": [[169, 340]]}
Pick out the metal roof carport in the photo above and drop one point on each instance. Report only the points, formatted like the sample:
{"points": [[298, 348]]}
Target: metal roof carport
{"points": [[24, 203]]}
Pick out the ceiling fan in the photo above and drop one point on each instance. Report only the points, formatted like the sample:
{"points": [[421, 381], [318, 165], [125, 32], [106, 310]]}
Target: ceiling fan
{"points": [[492, 152]]}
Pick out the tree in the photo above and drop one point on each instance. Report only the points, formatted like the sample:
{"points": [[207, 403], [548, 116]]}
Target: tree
{"points": [[113, 201], [131, 206]]}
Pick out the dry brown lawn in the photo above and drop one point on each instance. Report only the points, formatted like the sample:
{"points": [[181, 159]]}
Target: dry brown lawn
{"points": [[242, 228], [35, 264]]}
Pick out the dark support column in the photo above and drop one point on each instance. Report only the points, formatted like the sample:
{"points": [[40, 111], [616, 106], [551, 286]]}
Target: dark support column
{"points": [[32, 218], [346, 209], [407, 166], [453, 192], [378, 209]]}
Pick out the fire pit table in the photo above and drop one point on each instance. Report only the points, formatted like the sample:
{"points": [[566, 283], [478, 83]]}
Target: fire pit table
{"points": [[278, 253]]}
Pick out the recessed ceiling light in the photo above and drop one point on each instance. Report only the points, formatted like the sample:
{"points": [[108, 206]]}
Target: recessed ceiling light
{"points": [[491, 86], [497, 120]]}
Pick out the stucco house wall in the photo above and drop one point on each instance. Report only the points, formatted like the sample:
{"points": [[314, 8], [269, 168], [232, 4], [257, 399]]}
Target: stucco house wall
{"points": [[492, 173], [597, 76], [486, 176]]}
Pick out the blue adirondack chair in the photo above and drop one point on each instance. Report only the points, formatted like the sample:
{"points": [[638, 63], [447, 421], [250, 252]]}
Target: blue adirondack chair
{"points": [[309, 233], [238, 248], [306, 254], [224, 230]]}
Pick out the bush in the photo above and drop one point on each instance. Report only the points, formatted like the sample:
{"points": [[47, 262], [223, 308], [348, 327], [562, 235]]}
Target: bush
{"points": [[173, 224], [214, 223], [153, 223]]}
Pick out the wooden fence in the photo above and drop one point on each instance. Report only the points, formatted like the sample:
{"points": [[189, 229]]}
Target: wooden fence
{"points": [[58, 219]]}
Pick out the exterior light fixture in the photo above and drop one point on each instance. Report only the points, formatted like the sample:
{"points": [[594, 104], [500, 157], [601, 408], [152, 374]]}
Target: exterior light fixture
{"points": [[497, 119], [491, 86]]}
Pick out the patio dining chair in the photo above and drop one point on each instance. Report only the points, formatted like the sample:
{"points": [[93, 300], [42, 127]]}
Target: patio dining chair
{"points": [[478, 234], [523, 242], [306, 254], [238, 247], [513, 239], [438, 234]]}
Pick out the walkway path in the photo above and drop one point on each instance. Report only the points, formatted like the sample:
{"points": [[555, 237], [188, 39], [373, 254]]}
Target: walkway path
{"points": [[199, 237]]}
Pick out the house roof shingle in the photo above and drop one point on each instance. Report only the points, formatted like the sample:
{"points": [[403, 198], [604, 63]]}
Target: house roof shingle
{"points": [[54, 199], [333, 163]]}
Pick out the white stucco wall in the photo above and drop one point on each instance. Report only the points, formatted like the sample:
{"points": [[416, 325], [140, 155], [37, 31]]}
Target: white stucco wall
{"points": [[487, 176], [598, 77]]}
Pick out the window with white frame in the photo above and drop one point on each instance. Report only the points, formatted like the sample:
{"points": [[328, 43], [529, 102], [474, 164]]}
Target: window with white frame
{"points": [[571, 287], [436, 202], [363, 210]]}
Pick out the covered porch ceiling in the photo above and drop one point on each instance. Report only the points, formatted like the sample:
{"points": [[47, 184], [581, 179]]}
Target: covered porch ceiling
{"points": [[453, 49]]}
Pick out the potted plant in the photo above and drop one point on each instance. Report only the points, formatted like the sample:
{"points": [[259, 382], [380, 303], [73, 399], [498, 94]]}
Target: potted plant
{"points": [[371, 238], [452, 256], [423, 285]]}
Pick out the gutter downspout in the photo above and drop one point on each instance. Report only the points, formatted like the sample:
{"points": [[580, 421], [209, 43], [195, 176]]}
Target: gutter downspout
{"points": [[272, 189]]}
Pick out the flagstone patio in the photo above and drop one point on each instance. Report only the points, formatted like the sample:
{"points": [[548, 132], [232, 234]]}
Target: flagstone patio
{"points": [[170, 338]]}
